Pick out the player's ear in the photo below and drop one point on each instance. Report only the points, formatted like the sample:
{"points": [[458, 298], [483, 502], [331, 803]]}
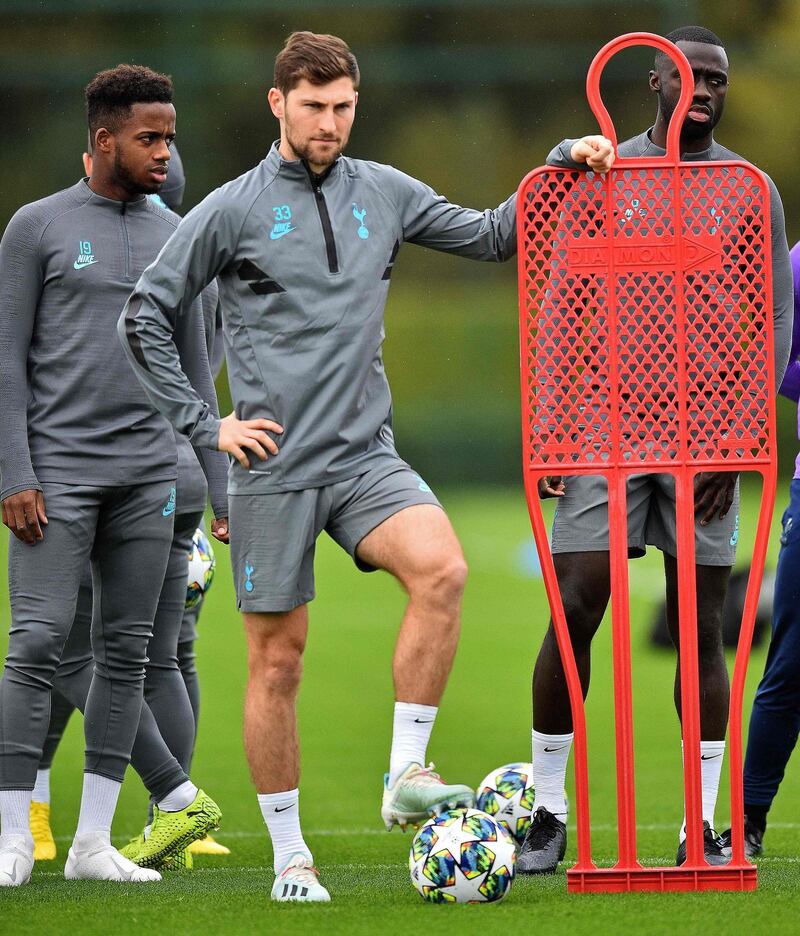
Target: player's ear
{"points": [[103, 140], [277, 102], [655, 81]]}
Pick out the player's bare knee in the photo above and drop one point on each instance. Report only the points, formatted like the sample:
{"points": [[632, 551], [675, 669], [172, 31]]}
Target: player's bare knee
{"points": [[443, 583]]}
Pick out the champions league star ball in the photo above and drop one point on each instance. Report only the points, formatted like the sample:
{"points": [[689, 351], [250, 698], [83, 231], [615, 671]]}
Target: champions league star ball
{"points": [[462, 856], [506, 794], [201, 568]]}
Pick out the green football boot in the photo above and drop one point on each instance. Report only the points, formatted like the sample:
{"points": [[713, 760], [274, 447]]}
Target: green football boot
{"points": [[173, 832], [420, 793]]}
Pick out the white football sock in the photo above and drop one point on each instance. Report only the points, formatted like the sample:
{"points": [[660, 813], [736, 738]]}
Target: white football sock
{"points": [[182, 796], [281, 812], [550, 756], [15, 809], [98, 803], [412, 729], [711, 757], [41, 792]]}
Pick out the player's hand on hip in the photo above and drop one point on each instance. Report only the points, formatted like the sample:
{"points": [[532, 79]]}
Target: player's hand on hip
{"points": [[713, 494], [23, 514], [551, 486], [219, 530], [596, 151], [237, 436]]}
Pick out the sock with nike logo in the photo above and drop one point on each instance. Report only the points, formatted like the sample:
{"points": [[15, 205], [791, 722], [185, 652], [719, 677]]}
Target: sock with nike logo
{"points": [[711, 757], [550, 756], [281, 812], [412, 729]]}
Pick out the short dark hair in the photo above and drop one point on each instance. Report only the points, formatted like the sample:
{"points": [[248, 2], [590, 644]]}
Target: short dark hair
{"points": [[689, 34], [319, 58], [111, 94]]}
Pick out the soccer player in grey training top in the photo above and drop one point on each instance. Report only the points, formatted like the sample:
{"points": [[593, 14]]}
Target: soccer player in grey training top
{"points": [[87, 467], [303, 246], [162, 751], [580, 528]]}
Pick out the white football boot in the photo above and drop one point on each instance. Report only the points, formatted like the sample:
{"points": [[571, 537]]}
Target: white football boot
{"points": [[16, 860], [419, 793], [299, 881], [92, 858]]}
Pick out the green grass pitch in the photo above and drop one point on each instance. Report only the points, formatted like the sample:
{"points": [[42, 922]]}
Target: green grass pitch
{"points": [[345, 720]]}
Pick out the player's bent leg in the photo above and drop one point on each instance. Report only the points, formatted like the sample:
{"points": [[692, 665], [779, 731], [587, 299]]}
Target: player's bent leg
{"points": [[164, 686], [419, 547], [584, 584]]}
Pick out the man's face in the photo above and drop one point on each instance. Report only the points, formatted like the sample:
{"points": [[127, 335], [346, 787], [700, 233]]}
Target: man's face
{"points": [[140, 148], [316, 119], [710, 68]]}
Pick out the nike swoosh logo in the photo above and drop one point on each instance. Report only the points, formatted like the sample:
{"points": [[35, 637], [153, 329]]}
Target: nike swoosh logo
{"points": [[283, 808], [423, 721], [168, 510], [549, 750], [709, 756], [80, 266], [276, 235]]}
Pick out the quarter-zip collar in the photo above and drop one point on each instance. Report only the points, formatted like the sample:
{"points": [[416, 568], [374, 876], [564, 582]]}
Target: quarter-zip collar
{"points": [[139, 203], [297, 168]]}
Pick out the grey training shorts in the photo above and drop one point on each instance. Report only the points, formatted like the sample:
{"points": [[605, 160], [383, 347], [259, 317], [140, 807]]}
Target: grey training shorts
{"points": [[581, 520], [273, 536]]}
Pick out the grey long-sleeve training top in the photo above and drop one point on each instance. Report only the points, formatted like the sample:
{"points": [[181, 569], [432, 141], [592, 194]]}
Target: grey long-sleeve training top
{"points": [[304, 265], [71, 410], [782, 285]]}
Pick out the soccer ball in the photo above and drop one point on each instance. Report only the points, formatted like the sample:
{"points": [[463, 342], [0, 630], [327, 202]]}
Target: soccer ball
{"points": [[507, 795], [201, 568], [462, 856]]}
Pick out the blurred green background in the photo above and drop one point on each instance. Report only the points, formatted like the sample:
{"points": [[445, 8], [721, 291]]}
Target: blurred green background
{"points": [[465, 94]]}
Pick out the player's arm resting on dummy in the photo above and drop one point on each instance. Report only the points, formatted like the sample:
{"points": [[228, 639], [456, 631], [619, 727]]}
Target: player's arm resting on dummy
{"points": [[20, 289], [203, 243], [590, 152], [790, 387], [430, 220]]}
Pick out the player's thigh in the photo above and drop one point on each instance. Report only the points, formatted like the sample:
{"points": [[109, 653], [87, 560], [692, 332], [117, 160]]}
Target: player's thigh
{"points": [[714, 544], [44, 579], [390, 519], [273, 538], [77, 651], [580, 523], [275, 639], [131, 551]]}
